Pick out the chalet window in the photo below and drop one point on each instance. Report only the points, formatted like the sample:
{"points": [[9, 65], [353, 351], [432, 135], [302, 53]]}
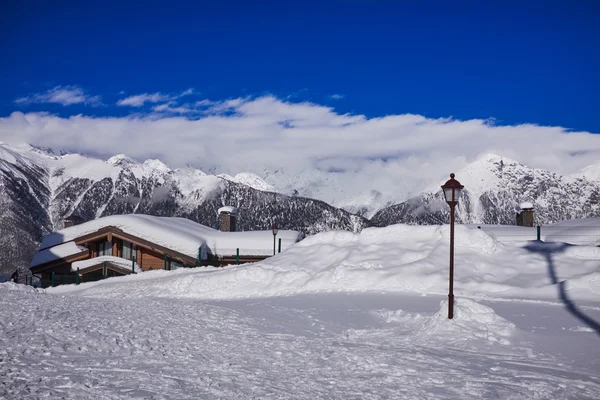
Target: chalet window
{"points": [[174, 265], [105, 249], [126, 253]]}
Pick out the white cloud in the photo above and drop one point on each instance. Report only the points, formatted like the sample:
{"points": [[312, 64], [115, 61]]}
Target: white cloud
{"points": [[204, 103], [336, 155], [172, 109], [139, 100], [336, 96], [65, 95]]}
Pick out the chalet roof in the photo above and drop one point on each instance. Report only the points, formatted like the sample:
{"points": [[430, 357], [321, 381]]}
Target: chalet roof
{"points": [[179, 235], [57, 252]]}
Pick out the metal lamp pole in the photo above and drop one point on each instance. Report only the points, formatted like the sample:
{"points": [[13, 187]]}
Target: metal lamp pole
{"points": [[452, 189], [275, 230], [451, 286]]}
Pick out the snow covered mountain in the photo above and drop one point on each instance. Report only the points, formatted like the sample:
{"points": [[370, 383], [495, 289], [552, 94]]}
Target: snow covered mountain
{"points": [[249, 179], [39, 189], [494, 185]]}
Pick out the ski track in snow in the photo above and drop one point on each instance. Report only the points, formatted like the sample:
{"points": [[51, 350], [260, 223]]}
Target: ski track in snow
{"points": [[336, 346]]}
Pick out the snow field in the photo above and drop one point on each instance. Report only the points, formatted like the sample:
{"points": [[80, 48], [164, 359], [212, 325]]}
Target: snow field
{"points": [[274, 330], [335, 346]]}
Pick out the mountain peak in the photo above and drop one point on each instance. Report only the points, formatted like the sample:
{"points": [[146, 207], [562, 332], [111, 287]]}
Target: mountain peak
{"points": [[493, 158], [157, 165], [249, 179], [121, 160]]}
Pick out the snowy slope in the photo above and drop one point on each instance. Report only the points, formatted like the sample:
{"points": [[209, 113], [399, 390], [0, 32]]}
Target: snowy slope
{"points": [[399, 258], [592, 172], [249, 179]]}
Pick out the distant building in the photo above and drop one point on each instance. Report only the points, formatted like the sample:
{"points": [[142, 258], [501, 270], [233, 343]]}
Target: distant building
{"points": [[228, 219], [524, 214]]}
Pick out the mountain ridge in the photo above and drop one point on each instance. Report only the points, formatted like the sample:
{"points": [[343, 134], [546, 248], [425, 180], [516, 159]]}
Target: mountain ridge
{"points": [[40, 188], [494, 185]]}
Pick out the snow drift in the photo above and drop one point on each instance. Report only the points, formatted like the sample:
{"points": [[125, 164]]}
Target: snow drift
{"points": [[472, 322], [398, 258]]}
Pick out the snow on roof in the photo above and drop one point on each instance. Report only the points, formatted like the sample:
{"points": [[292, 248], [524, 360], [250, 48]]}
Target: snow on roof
{"points": [[227, 209], [525, 205], [179, 234], [57, 252], [118, 261]]}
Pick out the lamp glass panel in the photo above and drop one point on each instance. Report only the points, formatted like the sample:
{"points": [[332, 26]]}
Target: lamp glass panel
{"points": [[448, 195], [457, 193]]}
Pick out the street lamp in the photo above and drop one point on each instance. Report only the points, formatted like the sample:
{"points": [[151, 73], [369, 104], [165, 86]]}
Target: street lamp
{"points": [[275, 230], [452, 189]]}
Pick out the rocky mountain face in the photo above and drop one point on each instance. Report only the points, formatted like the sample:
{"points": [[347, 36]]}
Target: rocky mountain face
{"points": [[24, 200], [39, 190], [494, 186]]}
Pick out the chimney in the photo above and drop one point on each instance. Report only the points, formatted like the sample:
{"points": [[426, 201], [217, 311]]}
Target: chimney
{"points": [[72, 220], [227, 218], [525, 214]]}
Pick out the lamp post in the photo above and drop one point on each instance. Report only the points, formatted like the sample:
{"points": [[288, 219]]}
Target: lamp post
{"points": [[452, 189], [275, 230]]}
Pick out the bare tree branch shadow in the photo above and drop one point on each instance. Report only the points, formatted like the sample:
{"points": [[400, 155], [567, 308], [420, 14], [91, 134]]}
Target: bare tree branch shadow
{"points": [[547, 250]]}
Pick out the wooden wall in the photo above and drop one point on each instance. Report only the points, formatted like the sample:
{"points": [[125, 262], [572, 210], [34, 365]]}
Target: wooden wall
{"points": [[151, 260]]}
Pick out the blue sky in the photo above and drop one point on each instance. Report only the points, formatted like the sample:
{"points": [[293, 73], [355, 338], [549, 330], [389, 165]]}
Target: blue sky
{"points": [[344, 96], [533, 63]]}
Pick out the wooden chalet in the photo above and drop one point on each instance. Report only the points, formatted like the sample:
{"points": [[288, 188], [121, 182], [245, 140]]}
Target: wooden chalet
{"points": [[83, 253]]}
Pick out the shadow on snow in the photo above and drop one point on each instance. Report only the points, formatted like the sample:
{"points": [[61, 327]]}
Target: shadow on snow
{"points": [[548, 250]]}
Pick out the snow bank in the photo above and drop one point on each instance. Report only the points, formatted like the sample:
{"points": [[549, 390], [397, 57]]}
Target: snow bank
{"points": [[16, 287], [179, 234], [56, 252], [398, 258]]}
